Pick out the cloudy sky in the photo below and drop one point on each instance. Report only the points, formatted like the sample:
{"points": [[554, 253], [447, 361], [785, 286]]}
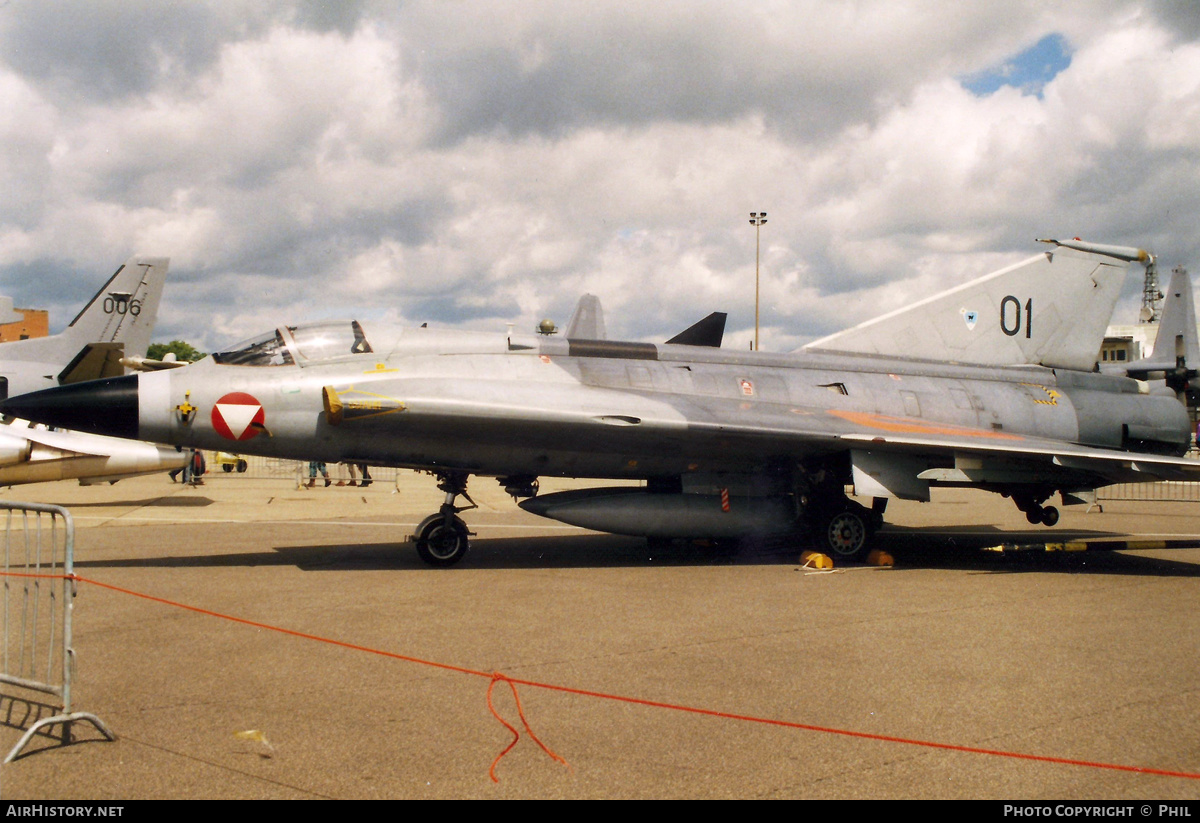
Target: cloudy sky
{"points": [[472, 164]]}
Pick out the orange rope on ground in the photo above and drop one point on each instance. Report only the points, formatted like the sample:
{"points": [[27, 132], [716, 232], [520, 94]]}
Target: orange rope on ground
{"points": [[497, 678], [513, 682]]}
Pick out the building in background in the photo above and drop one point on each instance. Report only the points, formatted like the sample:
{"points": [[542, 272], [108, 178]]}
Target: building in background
{"points": [[22, 324]]}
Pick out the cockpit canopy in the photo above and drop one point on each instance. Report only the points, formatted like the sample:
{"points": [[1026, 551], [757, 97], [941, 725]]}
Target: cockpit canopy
{"points": [[307, 343]]}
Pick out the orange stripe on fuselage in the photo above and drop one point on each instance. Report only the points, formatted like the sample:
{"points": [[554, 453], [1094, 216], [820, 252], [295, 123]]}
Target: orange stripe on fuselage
{"points": [[908, 425]]}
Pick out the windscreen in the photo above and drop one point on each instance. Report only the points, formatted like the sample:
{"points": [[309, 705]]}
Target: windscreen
{"points": [[265, 350], [322, 341]]}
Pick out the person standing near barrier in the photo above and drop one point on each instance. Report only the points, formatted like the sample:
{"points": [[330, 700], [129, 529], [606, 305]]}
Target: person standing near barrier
{"points": [[366, 475], [313, 467], [198, 467], [185, 470]]}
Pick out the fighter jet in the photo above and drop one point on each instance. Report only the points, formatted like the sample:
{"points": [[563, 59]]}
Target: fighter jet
{"points": [[118, 319], [992, 385]]}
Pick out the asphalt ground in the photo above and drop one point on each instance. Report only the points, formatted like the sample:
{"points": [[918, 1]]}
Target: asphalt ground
{"points": [[699, 673]]}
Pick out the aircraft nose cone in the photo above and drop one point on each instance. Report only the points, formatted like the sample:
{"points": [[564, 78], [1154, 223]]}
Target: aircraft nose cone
{"points": [[108, 406]]}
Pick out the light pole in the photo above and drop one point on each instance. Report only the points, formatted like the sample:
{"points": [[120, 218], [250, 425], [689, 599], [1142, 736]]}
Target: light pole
{"points": [[756, 220]]}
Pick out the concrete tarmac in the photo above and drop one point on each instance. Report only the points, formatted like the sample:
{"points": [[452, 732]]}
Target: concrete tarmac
{"points": [[1086, 657]]}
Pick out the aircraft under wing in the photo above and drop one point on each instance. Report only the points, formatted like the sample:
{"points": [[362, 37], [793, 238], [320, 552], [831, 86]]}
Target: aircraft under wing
{"points": [[976, 461]]}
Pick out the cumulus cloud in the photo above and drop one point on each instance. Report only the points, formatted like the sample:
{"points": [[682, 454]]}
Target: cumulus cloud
{"points": [[484, 163]]}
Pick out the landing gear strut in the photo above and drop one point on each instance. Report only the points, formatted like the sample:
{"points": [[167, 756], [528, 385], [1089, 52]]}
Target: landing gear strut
{"points": [[1034, 511], [443, 539]]}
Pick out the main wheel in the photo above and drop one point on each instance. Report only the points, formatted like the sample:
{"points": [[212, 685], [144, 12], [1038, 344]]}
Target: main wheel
{"points": [[441, 546], [843, 534]]}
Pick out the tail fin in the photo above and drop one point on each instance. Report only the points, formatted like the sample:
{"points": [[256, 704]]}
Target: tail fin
{"points": [[117, 321], [1176, 342], [1176, 355], [1049, 310], [587, 321]]}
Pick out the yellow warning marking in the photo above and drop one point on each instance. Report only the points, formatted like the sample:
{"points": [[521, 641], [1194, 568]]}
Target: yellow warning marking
{"points": [[1051, 395], [339, 405], [1073, 546], [187, 412], [1093, 546]]}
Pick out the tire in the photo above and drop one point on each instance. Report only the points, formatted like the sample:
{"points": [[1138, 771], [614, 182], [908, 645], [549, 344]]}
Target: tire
{"points": [[1049, 516], [440, 546], [843, 534], [241, 466], [226, 467]]}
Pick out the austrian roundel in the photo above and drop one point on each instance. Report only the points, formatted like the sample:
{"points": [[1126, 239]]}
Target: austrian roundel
{"points": [[238, 416]]}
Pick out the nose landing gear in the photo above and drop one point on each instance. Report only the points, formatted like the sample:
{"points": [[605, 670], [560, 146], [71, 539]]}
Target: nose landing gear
{"points": [[443, 539]]}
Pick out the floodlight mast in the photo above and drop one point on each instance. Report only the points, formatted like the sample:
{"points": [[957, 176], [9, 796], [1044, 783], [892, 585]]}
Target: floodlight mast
{"points": [[756, 219]]}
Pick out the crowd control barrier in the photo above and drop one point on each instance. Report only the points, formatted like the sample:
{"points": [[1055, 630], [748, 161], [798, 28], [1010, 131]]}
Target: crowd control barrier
{"points": [[36, 606]]}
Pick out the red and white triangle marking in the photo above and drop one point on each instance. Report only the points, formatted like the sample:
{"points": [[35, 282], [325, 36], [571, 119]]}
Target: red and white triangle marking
{"points": [[234, 416]]}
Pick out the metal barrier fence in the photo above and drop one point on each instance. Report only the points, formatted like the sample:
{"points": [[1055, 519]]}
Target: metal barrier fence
{"points": [[37, 604], [262, 467], [1167, 491]]}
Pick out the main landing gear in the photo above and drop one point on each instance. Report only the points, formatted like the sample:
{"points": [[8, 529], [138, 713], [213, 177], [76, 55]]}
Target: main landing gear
{"points": [[843, 528], [1034, 511], [443, 539]]}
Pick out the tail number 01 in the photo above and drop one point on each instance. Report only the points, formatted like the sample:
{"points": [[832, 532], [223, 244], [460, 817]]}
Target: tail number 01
{"points": [[1010, 316]]}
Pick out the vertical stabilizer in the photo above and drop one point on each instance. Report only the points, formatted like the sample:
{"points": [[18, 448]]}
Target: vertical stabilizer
{"points": [[1176, 341], [124, 310], [1176, 355], [587, 321], [117, 321], [1050, 310]]}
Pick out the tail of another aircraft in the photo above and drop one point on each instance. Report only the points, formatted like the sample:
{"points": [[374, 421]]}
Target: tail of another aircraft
{"points": [[587, 321], [118, 320], [1050, 310], [1176, 355], [1176, 345]]}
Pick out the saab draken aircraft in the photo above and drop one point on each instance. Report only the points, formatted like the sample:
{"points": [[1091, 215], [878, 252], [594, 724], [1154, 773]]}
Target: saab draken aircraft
{"points": [[992, 385], [118, 320]]}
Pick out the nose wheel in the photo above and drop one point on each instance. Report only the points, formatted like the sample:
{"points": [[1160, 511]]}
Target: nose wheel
{"points": [[443, 539], [441, 545]]}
